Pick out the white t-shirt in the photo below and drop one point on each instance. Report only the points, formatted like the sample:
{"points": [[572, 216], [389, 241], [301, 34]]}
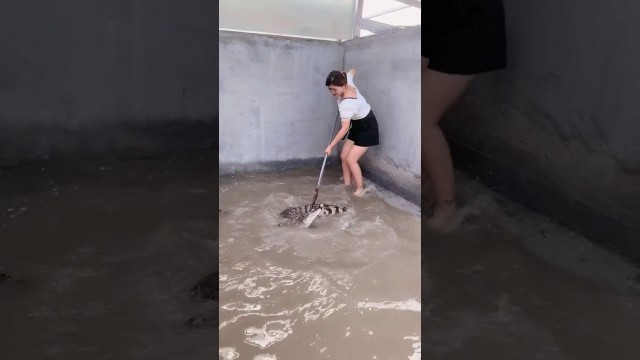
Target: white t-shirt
{"points": [[354, 109]]}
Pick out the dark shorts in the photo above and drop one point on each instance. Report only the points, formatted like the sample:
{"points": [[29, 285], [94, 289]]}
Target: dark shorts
{"points": [[364, 132], [465, 36]]}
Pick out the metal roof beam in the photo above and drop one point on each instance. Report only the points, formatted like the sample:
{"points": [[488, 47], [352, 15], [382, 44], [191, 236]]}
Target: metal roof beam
{"points": [[358, 22], [388, 11], [375, 26]]}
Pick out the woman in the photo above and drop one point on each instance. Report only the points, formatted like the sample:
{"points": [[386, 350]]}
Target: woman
{"points": [[463, 38], [358, 124]]}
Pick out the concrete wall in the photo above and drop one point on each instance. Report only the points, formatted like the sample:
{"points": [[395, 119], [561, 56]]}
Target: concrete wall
{"points": [[274, 105], [388, 75], [275, 110], [106, 77], [559, 129]]}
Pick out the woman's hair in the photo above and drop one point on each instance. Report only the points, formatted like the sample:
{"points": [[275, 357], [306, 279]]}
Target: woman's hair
{"points": [[336, 78]]}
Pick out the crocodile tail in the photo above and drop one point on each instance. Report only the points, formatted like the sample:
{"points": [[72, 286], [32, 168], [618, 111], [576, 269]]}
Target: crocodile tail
{"points": [[333, 209]]}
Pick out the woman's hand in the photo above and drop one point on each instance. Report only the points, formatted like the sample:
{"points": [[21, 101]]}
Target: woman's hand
{"points": [[328, 150]]}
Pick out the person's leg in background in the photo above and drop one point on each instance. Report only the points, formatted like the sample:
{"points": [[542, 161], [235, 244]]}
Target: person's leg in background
{"points": [[439, 92], [461, 42]]}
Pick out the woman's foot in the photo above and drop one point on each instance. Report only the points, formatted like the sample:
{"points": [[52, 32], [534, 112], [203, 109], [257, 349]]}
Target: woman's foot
{"points": [[360, 191], [442, 214]]}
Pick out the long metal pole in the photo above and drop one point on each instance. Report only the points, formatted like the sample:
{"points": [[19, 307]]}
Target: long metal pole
{"points": [[317, 191]]}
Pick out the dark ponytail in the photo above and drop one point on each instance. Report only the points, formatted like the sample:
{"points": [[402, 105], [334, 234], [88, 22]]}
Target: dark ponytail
{"points": [[336, 78]]}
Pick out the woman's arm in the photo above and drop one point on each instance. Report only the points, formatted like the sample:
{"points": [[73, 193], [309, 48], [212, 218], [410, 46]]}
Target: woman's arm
{"points": [[341, 133], [350, 83]]}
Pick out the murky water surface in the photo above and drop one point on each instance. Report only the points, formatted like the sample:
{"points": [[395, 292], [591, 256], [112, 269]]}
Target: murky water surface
{"points": [[99, 258], [512, 284], [348, 287]]}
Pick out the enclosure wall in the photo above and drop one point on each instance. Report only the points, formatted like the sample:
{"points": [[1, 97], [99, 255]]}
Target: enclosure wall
{"points": [[558, 129], [388, 75], [124, 78], [274, 106]]}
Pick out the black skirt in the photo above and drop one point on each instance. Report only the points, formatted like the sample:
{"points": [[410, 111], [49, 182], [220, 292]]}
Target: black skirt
{"points": [[364, 132], [465, 36]]}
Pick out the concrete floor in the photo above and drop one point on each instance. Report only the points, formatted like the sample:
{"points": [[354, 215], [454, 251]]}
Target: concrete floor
{"points": [[510, 284], [101, 256]]}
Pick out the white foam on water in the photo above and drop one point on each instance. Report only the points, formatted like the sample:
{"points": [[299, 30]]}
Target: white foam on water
{"points": [[318, 284], [417, 352], [417, 347], [241, 266], [408, 305], [344, 222], [242, 307], [265, 357], [237, 317], [262, 282], [323, 306], [269, 334], [228, 353], [344, 280]]}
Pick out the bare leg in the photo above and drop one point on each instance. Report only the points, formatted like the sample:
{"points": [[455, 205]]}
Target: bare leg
{"points": [[344, 153], [355, 154], [439, 92]]}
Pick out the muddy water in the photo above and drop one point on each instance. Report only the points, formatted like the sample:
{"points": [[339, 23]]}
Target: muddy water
{"points": [[511, 284], [101, 257], [346, 288]]}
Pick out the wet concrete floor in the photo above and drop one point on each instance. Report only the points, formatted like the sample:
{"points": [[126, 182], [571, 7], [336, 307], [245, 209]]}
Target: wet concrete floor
{"points": [[101, 256], [510, 284]]}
